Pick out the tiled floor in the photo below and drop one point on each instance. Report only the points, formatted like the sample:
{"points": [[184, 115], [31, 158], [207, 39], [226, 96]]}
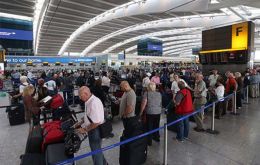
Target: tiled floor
{"points": [[237, 144]]}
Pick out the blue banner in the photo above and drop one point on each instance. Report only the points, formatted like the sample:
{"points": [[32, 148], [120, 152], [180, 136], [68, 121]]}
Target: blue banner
{"points": [[38, 59], [15, 34]]}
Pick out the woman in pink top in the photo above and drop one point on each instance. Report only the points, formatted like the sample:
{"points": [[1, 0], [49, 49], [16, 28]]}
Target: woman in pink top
{"points": [[156, 79]]}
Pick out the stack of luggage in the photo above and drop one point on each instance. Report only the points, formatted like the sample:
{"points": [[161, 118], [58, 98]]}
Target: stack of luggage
{"points": [[46, 143]]}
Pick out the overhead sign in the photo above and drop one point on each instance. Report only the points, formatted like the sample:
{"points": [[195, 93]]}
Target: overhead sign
{"points": [[228, 38], [15, 34], [37, 59], [240, 35]]}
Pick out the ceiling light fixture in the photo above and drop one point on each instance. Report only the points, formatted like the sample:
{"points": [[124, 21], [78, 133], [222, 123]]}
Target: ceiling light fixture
{"points": [[214, 1]]}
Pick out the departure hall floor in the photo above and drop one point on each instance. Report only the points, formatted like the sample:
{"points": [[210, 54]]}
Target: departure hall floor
{"points": [[237, 144]]}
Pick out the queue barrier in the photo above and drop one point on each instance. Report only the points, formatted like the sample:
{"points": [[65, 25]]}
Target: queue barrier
{"points": [[211, 130]]}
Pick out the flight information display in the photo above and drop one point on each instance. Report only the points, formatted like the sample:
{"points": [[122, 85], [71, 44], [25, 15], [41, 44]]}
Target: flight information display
{"points": [[15, 34], [215, 39], [149, 47]]}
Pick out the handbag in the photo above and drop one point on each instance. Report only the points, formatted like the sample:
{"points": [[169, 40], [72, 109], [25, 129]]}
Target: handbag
{"points": [[105, 128]]}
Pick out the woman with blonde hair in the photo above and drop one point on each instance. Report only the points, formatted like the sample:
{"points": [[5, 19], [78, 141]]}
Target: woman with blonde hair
{"points": [[152, 106], [24, 83], [30, 105]]}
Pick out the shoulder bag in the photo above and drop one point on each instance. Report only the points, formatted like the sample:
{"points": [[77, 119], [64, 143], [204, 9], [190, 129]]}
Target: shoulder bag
{"points": [[105, 129]]}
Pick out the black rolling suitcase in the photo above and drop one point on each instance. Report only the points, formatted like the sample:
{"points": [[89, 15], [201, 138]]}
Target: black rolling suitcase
{"points": [[135, 152], [16, 114], [34, 141], [56, 153], [171, 116], [32, 159]]}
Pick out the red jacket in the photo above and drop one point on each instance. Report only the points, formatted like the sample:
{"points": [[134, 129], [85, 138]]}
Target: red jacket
{"points": [[185, 106]]}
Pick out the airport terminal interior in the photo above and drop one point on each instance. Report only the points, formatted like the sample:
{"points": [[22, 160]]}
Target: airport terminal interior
{"points": [[129, 82]]}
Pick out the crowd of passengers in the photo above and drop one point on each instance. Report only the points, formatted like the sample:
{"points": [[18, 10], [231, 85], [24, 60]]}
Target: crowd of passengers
{"points": [[186, 90]]}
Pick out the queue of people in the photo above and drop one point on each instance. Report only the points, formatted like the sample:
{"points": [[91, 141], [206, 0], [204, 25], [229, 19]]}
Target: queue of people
{"points": [[190, 91]]}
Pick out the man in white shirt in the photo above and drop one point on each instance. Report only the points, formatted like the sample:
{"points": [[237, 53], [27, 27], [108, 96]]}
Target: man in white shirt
{"points": [[94, 116], [52, 87], [213, 78], [105, 82], [175, 88]]}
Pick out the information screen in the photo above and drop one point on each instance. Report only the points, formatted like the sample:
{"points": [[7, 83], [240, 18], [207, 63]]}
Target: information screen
{"points": [[149, 47], [15, 34], [236, 57], [215, 39]]}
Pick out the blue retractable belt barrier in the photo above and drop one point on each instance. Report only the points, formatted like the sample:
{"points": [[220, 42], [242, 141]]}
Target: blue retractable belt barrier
{"points": [[128, 140], [136, 137]]}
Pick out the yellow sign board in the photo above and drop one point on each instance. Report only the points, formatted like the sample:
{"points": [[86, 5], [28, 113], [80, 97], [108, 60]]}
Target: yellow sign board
{"points": [[240, 36], [221, 50], [2, 55]]}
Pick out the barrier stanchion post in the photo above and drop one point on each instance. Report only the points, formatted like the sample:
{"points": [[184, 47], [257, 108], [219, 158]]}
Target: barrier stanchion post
{"points": [[165, 145], [73, 99], [258, 90], [247, 93], [212, 129], [235, 104]]}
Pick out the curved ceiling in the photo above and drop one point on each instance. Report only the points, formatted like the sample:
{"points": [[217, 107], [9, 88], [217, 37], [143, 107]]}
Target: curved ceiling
{"points": [[95, 26]]}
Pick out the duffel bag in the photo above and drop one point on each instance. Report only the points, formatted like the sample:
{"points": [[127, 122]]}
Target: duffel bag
{"points": [[57, 101], [54, 135], [56, 123]]}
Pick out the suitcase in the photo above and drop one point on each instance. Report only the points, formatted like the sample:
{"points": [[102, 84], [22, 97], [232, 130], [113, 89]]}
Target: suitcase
{"points": [[135, 152], [16, 114], [34, 141], [171, 116], [56, 153], [32, 159]]}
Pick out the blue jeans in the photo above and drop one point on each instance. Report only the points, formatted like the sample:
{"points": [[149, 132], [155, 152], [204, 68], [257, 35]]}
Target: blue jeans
{"points": [[95, 144], [182, 128]]}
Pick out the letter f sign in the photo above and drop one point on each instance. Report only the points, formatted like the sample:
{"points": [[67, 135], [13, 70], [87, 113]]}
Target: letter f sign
{"points": [[238, 30]]}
